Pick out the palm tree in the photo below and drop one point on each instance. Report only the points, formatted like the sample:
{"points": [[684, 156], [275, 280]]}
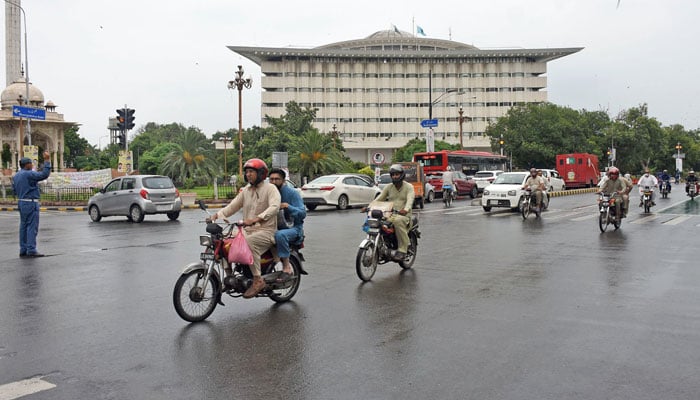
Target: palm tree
{"points": [[192, 159], [317, 156]]}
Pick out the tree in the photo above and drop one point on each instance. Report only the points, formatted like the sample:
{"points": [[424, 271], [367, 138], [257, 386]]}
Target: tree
{"points": [[74, 146], [316, 155], [192, 160]]}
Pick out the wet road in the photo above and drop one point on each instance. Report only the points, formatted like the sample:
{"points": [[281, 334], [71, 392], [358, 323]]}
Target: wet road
{"points": [[495, 308]]}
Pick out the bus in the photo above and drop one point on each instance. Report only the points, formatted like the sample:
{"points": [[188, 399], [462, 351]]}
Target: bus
{"points": [[461, 160]]}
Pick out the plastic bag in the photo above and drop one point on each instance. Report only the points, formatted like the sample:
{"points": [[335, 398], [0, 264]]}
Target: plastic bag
{"points": [[238, 249]]}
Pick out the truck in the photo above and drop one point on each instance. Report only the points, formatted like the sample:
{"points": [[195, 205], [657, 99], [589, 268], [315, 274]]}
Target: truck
{"points": [[578, 169]]}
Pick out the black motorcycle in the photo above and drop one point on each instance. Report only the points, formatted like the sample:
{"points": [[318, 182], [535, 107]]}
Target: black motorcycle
{"points": [[381, 244], [608, 211], [646, 199], [665, 189]]}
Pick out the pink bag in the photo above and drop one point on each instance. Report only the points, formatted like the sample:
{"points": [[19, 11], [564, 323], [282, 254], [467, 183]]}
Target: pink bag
{"points": [[238, 249]]}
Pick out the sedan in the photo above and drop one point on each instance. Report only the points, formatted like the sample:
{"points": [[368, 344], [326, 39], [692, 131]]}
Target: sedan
{"points": [[465, 184], [134, 196], [340, 190], [506, 191], [485, 178], [554, 181]]}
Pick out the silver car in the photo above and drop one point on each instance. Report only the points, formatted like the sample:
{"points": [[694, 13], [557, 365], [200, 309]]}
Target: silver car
{"points": [[134, 196], [340, 190]]}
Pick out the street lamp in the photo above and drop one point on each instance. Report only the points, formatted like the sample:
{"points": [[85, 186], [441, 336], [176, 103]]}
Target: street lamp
{"points": [[335, 134], [239, 83], [26, 67]]}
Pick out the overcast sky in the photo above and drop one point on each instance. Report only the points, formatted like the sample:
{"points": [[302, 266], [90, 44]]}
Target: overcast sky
{"points": [[169, 61]]}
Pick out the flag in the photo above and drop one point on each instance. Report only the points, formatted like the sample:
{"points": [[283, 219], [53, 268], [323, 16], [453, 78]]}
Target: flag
{"points": [[395, 28], [419, 30]]}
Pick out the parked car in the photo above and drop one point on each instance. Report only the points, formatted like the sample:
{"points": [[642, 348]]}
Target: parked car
{"points": [[485, 178], [135, 196], [340, 190], [506, 191], [465, 184], [554, 181]]}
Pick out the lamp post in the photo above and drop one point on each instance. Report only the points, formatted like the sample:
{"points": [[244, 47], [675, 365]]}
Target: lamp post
{"points": [[239, 83], [26, 67], [335, 134], [225, 140]]}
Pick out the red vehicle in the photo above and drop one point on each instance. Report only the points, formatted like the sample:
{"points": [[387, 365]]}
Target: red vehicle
{"points": [[465, 185], [465, 161], [578, 169]]}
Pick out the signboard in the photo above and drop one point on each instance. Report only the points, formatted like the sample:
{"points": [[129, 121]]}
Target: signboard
{"points": [[28, 112], [125, 162], [280, 159], [429, 123], [378, 158], [33, 153]]}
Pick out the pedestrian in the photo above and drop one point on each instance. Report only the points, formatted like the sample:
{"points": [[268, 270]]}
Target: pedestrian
{"points": [[25, 186]]}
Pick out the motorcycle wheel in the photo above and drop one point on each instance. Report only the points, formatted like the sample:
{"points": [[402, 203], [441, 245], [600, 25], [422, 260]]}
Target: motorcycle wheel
{"points": [[190, 303], [525, 209], [283, 295], [407, 262], [447, 199], [616, 223], [366, 255], [603, 221], [647, 207]]}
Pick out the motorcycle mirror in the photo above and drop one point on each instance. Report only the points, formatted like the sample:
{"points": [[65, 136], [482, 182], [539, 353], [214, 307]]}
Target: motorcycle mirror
{"points": [[201, 204]]}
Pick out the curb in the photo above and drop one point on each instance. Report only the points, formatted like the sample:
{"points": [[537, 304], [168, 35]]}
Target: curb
{"points": [[572, 192], [84, 208]]}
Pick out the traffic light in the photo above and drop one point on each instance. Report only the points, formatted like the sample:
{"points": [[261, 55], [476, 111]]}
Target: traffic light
{"points": [[501, 142], [129, 120], [122, 139], [121, 118], [609, 151]]}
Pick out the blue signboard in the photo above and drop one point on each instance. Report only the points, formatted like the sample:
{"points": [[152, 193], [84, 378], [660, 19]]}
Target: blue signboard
{"points": [[429, 123], [28, 112]]}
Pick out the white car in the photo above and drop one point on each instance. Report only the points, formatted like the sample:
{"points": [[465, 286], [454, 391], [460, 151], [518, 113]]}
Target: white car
{"points": [[554, 181], [485, 178], [340, 190], [506, 191]]}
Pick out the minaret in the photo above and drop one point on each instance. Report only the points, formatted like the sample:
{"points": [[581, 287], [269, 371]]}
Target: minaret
{"points": [[13, 42]]}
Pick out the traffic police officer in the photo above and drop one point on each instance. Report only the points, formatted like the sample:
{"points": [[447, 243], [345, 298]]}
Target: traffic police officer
{"points": [[25, 186]]}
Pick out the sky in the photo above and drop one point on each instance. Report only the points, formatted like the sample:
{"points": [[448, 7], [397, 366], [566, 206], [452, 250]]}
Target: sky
{"points": [[168, 59]]}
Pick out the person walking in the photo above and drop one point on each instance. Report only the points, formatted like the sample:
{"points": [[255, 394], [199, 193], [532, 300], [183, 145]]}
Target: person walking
{"points": [[24, 183]]}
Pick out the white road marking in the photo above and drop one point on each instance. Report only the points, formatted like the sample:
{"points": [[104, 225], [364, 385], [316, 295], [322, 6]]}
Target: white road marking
{"points": [[15, 390], [678, 220], [644, 219], [585, 217]]}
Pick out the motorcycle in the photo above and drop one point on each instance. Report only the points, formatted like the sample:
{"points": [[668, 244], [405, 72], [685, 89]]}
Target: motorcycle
{"points": [[665, 189], [448, 195], [608, 212], [646, 199], [202, 284], [528, 204], [381, 244], [692, 190]]}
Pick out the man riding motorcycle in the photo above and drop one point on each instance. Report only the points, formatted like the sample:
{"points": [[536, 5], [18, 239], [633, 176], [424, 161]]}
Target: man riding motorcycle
{"points": [[691, 178], [536, 184], [402, 195], [647, 180], [615, 187], [448, 182], [666, 180]]}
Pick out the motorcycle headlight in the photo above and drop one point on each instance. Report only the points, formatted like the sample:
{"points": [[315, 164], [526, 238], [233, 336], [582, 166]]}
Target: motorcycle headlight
{"points": [[205, 240], [373, 223]]}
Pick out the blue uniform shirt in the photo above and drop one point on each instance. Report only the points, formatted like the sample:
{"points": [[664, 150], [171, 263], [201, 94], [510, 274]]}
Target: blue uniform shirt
{"points": [[296, 204], [24, 183]]}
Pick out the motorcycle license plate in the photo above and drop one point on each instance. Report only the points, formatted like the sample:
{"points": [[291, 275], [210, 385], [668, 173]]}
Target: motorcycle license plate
{"points": [[206, 256]]}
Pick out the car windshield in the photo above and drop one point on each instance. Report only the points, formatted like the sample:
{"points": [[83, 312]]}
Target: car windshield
{"points": [[510, 179], [324, 179], [157, 182], [483, 174], [384, 178]]}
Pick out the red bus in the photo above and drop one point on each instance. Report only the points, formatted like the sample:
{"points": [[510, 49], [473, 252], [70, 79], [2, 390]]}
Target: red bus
{"points": [[461, 160], [578, 169]]}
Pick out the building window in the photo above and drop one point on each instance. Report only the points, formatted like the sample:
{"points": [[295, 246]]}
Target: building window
{"points": [[345, 90], [290, 89], [332, 89], [317, 90], [331, 75], [290, 74], [317, 74], [303, 75], [344, 74]]}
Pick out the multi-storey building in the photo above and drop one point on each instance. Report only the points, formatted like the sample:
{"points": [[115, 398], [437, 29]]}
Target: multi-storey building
{"points": [[374, 92]]}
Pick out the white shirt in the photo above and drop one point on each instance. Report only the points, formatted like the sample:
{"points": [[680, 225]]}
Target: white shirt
{"points": [[647, 180]]}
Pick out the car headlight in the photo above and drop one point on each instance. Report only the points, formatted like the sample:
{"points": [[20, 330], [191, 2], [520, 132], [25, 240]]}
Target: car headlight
{"points": [[486, 193], [511, 193]]}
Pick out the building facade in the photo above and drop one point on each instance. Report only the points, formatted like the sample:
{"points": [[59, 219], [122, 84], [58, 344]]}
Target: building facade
{"points": [[374, 92]]}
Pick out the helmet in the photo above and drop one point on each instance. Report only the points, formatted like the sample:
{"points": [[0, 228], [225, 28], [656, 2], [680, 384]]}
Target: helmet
{"points": [[628, 176], [613, 171], [397, 168], [449, 168], [259, 166], [691, 172], [665, 171]]}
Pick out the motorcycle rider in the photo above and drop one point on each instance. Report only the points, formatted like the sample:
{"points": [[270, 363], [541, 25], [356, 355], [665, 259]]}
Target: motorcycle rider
{"points": [[616, 187], [690, 178], [290, 200], [260, 202], [647, 180], [448, 182], [666, 180], [536, 184], [401, 193]]}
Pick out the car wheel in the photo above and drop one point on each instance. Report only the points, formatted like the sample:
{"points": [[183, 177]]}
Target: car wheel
{"points": [[487, 208], [311, 207], [422, 203], [431, 196], [551, 189], [95, 215], [474, 192], [173, 215], [136, 213], [342, 202], [563, 187]]}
